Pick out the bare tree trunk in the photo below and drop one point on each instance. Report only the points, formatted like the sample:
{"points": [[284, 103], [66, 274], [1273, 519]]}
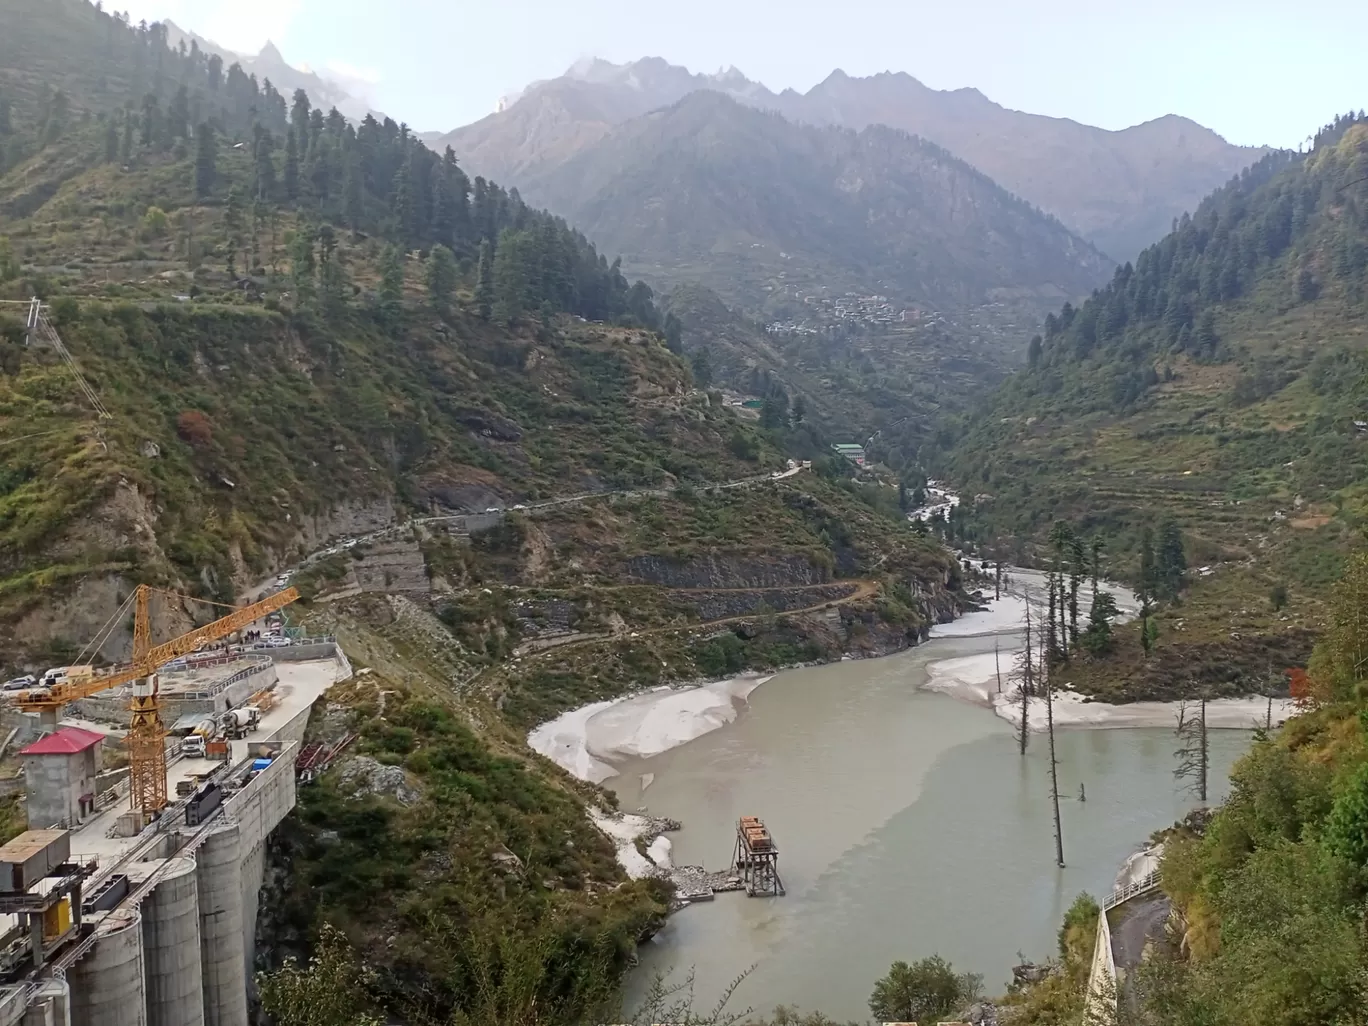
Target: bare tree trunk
{"points": [[997, 666], [1204, 763], [1051, 638], [1054, 772], [1193, 753], [1025, 684], [997, 586], [1268, 717]]}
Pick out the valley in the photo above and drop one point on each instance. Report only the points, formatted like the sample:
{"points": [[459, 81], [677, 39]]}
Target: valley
{"points": [[659, 446]]}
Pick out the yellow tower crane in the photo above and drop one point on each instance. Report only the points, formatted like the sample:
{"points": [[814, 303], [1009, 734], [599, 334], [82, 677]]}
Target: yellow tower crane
{"points": [[146, 732]]}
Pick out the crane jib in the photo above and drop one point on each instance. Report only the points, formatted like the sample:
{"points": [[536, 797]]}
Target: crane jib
{"points": [[37, 699]]}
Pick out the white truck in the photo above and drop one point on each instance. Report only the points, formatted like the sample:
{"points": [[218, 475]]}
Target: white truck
{"points": [[195, 744], [67, 675]]}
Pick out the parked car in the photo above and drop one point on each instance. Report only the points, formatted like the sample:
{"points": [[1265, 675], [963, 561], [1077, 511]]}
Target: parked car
{"points": [[278, 642], [20, 683]]}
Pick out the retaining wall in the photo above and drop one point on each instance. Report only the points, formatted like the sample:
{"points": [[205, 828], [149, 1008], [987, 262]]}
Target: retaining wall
{"points": [[1100, 1004]]}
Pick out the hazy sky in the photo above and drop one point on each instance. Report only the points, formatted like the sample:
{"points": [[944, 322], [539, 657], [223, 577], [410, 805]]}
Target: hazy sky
{"points": [[1257, 71]]}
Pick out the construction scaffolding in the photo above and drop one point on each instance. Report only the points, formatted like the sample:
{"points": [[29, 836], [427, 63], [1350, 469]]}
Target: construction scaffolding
{"points": [[756, 859]]}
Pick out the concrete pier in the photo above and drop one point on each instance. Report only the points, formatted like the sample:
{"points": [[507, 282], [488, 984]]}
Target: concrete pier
{"points": [[171, 947], [107, 985], [50, 1006], [223, 965]]}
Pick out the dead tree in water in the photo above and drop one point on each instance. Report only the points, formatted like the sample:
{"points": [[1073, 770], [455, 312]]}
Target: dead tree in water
{"points": [[1048, 684], [1051, 624], [1193, 754], [1024, 676]]}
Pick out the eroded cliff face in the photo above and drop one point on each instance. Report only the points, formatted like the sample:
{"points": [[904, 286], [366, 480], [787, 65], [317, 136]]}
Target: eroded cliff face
{"points": [[94, 565], [721, 570]]}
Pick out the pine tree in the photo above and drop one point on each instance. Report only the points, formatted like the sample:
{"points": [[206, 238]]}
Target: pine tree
{"points": [[443, 211], [1146, 585], [484, 287], [149, 120], [1170, 564], [332, 279], [403, 205], [302, 265], [673, 332], [291, 167], [111, 141], [126, 146], [206, 160], [441, 278], [513, 263], [1077, 571], [263, 187], [353, 196], [178, 115], [299, 116], [702, 367], [232, 221], [391, 292]]}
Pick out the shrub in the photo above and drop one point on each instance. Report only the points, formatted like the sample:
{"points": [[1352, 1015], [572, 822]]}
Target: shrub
{"points": [[925, 990], [194, 429], [154, 223]]}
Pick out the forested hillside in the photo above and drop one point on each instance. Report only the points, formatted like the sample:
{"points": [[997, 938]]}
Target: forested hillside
{"points": [[1219, 381], [1270, 899]]}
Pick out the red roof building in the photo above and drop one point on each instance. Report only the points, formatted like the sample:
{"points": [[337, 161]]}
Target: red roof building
{"points": [[66, 741], [60, 774]]}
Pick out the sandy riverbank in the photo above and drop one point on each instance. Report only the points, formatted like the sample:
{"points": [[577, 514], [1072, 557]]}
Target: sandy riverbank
{"points": [[586, 741]]}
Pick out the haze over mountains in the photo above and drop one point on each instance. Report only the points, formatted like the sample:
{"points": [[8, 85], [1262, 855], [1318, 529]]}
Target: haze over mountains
{"points": [[759, 207], [1119, 190], [324, 91]]}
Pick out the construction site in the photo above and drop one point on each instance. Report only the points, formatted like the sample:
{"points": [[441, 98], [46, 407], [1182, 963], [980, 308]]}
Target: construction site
{"points": [[150, 789]]}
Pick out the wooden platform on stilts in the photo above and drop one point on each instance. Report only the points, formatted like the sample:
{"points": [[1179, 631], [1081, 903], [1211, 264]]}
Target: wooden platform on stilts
{"points": [[755, 860]]}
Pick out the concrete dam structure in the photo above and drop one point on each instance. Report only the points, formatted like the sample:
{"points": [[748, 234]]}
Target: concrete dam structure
{"points": [[165, 937]]}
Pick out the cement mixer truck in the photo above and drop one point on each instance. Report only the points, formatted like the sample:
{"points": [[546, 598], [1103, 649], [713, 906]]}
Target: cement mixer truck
{"points": [[238, 723]]}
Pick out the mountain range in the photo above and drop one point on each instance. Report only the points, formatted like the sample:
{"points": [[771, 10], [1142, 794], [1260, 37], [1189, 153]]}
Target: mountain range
{"points": [[764, 211], [1119, 190]]}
